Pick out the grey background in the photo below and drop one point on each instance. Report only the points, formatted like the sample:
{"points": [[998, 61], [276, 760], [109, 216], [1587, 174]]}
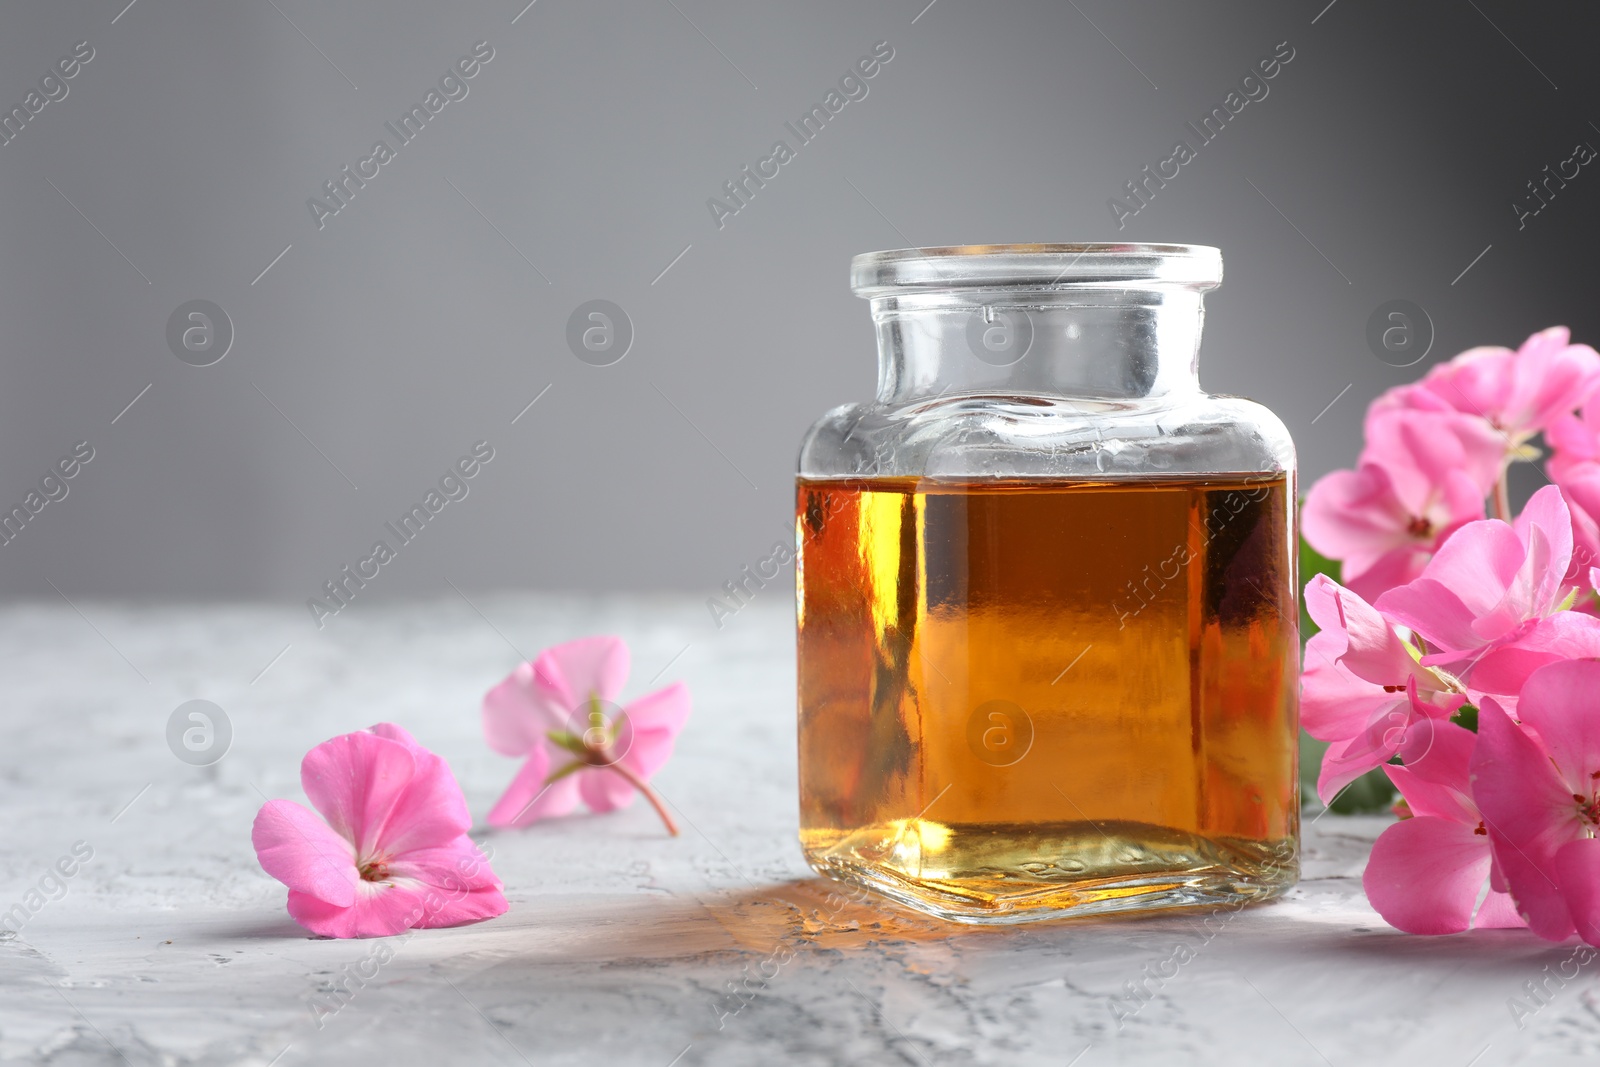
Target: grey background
{"points": [[430, 311]]}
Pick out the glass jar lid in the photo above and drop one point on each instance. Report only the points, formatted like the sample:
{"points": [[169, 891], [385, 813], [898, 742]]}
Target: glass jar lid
{"points": [[1034, 267]]}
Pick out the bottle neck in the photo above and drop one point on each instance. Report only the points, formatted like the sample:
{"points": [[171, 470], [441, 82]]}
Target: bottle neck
{"points": [[1080, 343]]}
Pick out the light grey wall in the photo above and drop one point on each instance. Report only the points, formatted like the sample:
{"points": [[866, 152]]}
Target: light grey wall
{"points": [[428, 312]]}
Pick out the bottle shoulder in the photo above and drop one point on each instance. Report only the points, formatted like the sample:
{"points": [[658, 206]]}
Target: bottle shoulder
{"points": [[998, 436]]}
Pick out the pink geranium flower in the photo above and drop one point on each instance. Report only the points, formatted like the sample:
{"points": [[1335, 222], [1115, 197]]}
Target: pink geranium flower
{"points": [[1538, 786], [560, 712], [1491, 597], [1580, 488], [1362, 687], [1423, 475], [1521, 392], [1574, 465], [1574, 439], [1427, 870], [393, 852]]}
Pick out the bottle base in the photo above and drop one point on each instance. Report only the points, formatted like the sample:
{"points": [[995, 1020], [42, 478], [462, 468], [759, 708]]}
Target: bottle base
{"points": [[1022, 887]]}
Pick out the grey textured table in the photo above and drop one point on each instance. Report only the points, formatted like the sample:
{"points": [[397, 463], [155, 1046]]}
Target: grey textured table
{"points": [[170, 946]]}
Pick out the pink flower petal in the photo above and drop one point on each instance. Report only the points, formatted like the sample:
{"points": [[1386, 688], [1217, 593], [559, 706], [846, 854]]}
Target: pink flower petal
{"points": [[1575, 443], [1476, 382], [386, 908], [1532, 886], [1413, 396], [665, 709], [1384, 519], [1436, 783], [1529, 814], [386, 797], [1560, 704], [354, 780], [1373, 651], [1523, 596], [527, 799], [1466, 578], [1345, 761], [589, 666], [1522, 392], [379, 910], [432, 811], [649, 752], [459, 909], [1498, 912], [652, 722], [1371, 577], [1577, 868], [459, 867], [1322, 604], [1566, 635], [397, 733], [1573, 440], [1349, 512], [1547, 515], [603, 790], [1425, 874], [552, 692], [1435, 777], [1421, 450], [1580, 488], [299, 850], [1554, 376], [1335, 705], [517, 714], [1391, 722], [644, 742]]}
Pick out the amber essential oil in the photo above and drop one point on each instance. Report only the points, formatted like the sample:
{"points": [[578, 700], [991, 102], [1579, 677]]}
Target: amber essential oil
{"points": [[1026, 699]]}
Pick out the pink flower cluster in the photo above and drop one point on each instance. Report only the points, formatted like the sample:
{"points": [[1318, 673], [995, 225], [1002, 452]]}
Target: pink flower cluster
{"points": [[390, 850], [1462, 653]]}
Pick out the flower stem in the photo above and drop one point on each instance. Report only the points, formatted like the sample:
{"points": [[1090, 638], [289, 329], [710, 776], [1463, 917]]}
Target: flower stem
{"points": [[649, 794], [1502, 496]]}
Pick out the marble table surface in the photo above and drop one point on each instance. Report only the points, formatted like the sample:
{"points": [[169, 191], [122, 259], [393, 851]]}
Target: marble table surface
{"points": [[623, 946]]}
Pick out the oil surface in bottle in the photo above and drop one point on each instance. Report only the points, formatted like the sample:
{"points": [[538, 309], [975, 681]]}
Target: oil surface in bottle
{"points": [[1024, 699]]}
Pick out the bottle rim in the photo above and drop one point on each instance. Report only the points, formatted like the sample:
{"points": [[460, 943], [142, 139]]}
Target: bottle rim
{"points": [[1035, 267]]}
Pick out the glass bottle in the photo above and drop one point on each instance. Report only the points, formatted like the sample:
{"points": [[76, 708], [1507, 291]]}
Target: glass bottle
{"points": [[1047, 600]]}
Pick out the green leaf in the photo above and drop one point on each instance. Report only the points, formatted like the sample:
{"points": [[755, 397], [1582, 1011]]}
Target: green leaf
{"points": [[1467, 717], [1311, 751], [1312, 563]]}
